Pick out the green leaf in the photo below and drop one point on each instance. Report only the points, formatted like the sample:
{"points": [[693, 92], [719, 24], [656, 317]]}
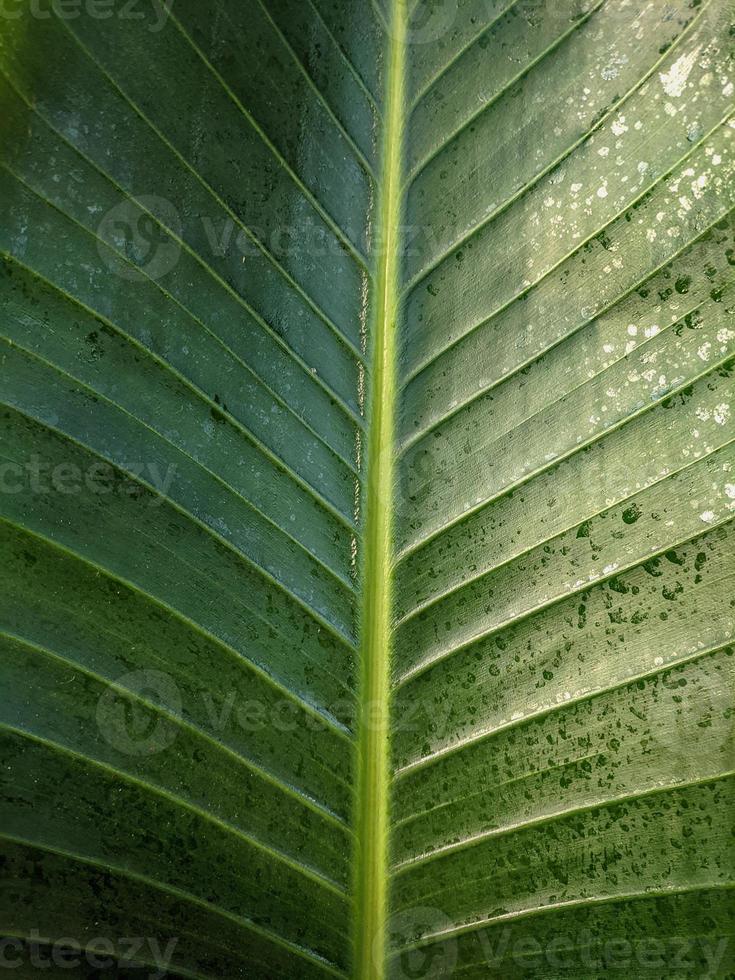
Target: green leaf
{"points": [[366, 488]]}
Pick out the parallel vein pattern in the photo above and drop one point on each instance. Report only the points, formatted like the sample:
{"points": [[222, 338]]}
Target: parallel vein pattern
{"points": [[563, 620], [367, 488], [184, 349]]}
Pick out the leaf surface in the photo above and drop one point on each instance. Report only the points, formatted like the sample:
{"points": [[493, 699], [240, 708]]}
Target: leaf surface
{"points": [[367, 488]]}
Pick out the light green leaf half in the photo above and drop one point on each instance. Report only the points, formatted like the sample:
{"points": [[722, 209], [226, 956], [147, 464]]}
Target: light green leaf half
{"points": [[366, 488]]}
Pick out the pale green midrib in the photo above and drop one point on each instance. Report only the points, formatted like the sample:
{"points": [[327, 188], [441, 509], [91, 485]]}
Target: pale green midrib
{"points": [[373, 786]]}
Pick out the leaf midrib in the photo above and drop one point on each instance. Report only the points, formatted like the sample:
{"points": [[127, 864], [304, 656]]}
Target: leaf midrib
{"points": [[373, 763]]}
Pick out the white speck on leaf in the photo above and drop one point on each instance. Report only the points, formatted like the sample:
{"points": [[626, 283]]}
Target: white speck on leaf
{"points": [[674, 81]]}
